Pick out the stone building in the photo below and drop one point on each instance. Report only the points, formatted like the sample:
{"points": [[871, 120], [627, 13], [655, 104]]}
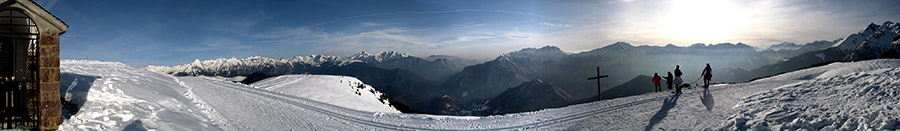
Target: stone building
{"points": [[29, 66]]}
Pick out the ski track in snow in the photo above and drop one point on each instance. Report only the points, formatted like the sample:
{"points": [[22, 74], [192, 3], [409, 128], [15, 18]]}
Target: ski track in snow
{"points": [[343, 91], [233, 106], [585, 116]]}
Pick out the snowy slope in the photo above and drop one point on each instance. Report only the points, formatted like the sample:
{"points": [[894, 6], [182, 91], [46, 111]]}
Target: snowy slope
{"points": [[847, 100], [871, 42], [339, 90], [835, 69], [116, 97], [855, 95]]}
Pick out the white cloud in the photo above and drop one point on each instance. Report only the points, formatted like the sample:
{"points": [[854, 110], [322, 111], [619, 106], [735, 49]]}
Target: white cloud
{"points": [[369, 24], [473, 42], [386, 35], [620, 1], [216, 43], [343, 43], [464, 39], [546, 24], [292, 36], [467, 26], [755, 23], [443, 12], [47, 4], [261, 12]]}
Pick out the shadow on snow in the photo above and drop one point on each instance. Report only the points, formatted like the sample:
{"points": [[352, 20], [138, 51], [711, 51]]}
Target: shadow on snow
{"points": [[73, 90], [668, 104]]}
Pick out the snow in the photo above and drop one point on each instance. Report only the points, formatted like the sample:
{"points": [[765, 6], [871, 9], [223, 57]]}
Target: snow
{"points": [[851, 101], [117, 97], [870, 43], [339, 90], [835, 69], [380, 57], [235, 67], [233, 78], [821, 56], [854, 95], [784, 46], [546, 53]]}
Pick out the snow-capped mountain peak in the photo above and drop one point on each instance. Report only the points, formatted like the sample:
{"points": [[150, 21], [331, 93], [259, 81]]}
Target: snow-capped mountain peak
{"points": [[784, 46], [871, 42], [234, 66], [361, 54], [539, 54], [622, 46], [727, 45], [390, 55], [380, 57]]}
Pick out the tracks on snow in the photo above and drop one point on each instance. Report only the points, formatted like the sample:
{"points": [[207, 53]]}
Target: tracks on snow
{"points": [[369, 118]]}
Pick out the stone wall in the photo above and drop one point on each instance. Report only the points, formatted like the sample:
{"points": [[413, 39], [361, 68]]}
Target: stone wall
{"points": [[48, 70]]}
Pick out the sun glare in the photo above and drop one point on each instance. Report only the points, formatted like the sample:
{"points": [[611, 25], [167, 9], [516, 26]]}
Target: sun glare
{"points": [[701, 20]]}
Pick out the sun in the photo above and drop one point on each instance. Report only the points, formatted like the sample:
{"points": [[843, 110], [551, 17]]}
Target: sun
{"points": [[702, 20]]}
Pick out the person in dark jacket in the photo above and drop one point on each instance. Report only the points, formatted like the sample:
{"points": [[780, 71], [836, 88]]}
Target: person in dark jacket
{"points": [[669, 80], [678, 81], [677, 70], [656, 81], [707, 75]]}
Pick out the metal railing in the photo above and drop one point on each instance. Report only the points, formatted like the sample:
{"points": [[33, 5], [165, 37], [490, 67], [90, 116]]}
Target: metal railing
{"points": [[19, 105], [20, 101]]}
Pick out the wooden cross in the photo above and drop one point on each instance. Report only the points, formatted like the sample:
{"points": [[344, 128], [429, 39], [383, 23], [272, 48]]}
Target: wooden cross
{"points": [[598, 82]]}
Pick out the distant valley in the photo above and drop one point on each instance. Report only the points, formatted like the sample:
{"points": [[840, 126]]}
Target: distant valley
{"points": [[538, 78]]}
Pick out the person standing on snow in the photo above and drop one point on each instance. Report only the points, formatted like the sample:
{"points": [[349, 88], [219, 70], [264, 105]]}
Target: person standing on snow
{"points": [[678, 80], [677, 70], [656, 81], [669, 80], [677, 84], [707, 75]]}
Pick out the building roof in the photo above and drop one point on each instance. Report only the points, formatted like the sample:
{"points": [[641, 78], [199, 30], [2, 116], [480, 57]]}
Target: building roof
{"points": [[51, 14], [37, 13]]}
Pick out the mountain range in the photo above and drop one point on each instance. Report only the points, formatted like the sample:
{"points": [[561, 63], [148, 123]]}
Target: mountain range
{"points": [[404, 78], [537, 78]]}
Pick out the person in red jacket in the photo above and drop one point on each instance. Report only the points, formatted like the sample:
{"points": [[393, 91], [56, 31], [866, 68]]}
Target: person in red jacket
{"points": [[656, 80]]}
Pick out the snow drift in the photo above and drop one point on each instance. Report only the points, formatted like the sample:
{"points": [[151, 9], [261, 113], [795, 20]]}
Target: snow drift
{"points": [[854, 98], [114, 96]]}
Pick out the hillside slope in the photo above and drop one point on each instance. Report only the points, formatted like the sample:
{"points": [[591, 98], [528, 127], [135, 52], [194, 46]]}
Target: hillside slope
{"points": [[113, 96], [339, 90], [148, 100]]}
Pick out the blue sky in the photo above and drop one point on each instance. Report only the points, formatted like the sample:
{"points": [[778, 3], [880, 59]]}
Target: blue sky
{"points": [[169, 32]]}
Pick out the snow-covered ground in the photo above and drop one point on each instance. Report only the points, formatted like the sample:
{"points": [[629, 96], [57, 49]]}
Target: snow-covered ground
{"points": [[849, 100], [856, 95], [339, 90], [115, 96]]}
